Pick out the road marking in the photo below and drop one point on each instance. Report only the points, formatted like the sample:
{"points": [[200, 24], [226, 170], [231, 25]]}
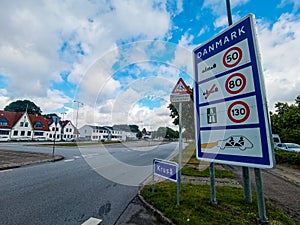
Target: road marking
{"points": [[90, 155], [92, 221], [77, 157], [69, 160], [2, 171]]}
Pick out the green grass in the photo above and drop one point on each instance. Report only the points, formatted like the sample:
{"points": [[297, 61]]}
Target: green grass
{"points": [[190, 171], [196, 209]]}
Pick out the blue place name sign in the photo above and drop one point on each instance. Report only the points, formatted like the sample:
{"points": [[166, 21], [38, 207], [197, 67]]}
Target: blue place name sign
{"points": [[165, 169]]}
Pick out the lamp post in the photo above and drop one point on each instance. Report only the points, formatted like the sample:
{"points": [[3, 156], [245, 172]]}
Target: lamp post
{"points": [[56, 121], [76, 129]]}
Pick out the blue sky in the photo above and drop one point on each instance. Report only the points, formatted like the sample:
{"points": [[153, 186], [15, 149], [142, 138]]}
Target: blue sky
{"points": [[122, 58]]}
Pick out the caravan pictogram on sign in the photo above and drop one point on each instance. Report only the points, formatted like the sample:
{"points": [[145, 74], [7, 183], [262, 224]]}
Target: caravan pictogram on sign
{"points": [[181, 88]]}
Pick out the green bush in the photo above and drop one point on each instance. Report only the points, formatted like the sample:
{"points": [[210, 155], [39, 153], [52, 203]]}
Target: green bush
{"points": [[292, 158]]}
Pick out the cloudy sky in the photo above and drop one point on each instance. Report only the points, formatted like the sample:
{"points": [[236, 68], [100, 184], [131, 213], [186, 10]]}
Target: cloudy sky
{"points": [[122, 58]]}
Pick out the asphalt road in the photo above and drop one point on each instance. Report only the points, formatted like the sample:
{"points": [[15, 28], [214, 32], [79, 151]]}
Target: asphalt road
{"points": [[94, 181]]}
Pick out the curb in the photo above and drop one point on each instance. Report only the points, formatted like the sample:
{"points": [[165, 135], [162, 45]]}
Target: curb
{"points": [[17, 165], [155, 211]]}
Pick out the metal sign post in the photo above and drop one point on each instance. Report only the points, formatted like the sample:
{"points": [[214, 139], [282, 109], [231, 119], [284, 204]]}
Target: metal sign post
{"points": [[179, 154], [180, 93], [246, 170]]}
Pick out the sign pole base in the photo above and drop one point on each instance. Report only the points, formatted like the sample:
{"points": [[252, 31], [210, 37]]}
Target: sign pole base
{"points": [[262, 218], [247, 184], [213, 197]]}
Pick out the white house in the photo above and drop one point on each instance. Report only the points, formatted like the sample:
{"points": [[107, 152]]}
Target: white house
{"points": [[68, 130], [22, 128], [99, 133], [54, 131]]}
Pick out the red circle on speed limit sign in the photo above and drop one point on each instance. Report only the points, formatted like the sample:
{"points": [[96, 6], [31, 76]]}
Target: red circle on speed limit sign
{"points": [[238, 112], [235, 83], [232, 57]]}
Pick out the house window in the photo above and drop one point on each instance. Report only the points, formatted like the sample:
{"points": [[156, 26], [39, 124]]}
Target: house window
{"points": [[26, 124], [53, 128], [21, 124], [38, 133], [29, 133], [3, 121], [4, 132], [15, 133], [38, 124], [67, 129], [23, 133], [70, 130]]}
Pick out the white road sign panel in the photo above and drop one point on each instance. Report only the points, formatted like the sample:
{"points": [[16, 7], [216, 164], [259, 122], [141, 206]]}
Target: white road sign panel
{"points": [[180, 98], [231, 115]]}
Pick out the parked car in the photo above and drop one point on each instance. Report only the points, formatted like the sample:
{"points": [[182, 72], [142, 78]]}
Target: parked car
{"points": [[4, 138], [39, 138], [276, 139], [291, 147]]}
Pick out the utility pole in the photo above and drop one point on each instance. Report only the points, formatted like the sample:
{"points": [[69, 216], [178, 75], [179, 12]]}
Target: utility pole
{"points": [[78, 104], [63, 115]]}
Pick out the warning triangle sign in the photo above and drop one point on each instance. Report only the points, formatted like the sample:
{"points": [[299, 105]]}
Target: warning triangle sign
{"points": [[181, 88]]}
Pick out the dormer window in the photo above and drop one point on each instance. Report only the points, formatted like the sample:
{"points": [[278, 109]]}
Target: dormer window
{"points": [[3, 121], [38, 124]]}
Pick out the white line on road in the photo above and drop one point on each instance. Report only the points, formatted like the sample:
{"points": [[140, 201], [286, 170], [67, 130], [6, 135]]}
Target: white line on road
{"points": [[92, 221], [2, 171], [90, 155], [69, 160], [77, 157]]}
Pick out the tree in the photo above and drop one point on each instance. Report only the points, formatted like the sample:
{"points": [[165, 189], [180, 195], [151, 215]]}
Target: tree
{"points": [[22, 106], [286, 121], [134, 128], [187, 116], [139, 135], [165, 132]]}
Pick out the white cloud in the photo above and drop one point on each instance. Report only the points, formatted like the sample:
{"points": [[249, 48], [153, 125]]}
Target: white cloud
{"points": [[296, 4], [279, 44], [218, 7], [33, 34]]}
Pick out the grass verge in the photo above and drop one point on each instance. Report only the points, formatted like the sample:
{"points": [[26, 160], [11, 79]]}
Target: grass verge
{"points": [[191, 171], [196, 209]]}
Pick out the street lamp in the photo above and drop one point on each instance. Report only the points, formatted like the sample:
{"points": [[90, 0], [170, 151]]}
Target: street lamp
{"points": [[78, 103], [56, 121]]}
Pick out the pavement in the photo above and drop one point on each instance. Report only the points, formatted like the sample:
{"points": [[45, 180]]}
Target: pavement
{"points": [[138, 210], [14, 159]]}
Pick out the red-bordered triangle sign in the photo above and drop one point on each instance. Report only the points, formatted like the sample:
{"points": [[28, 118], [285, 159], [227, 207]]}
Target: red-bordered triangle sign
{"points": [[181, 88]]}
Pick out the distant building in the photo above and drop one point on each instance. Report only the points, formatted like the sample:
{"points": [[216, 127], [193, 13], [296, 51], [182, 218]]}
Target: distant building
{"points": [[68, 130], [21, 126], [100, 133]]}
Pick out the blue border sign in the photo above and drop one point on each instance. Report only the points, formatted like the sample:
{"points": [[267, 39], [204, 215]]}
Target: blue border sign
{"points": [[231, 115], [165, 169]]}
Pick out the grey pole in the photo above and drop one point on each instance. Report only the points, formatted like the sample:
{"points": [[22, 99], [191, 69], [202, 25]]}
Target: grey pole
{"points": [[153, 177], [246, 170], [229, 12], [213, 196], [262, 218], [247, 184], [180, 154]]}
